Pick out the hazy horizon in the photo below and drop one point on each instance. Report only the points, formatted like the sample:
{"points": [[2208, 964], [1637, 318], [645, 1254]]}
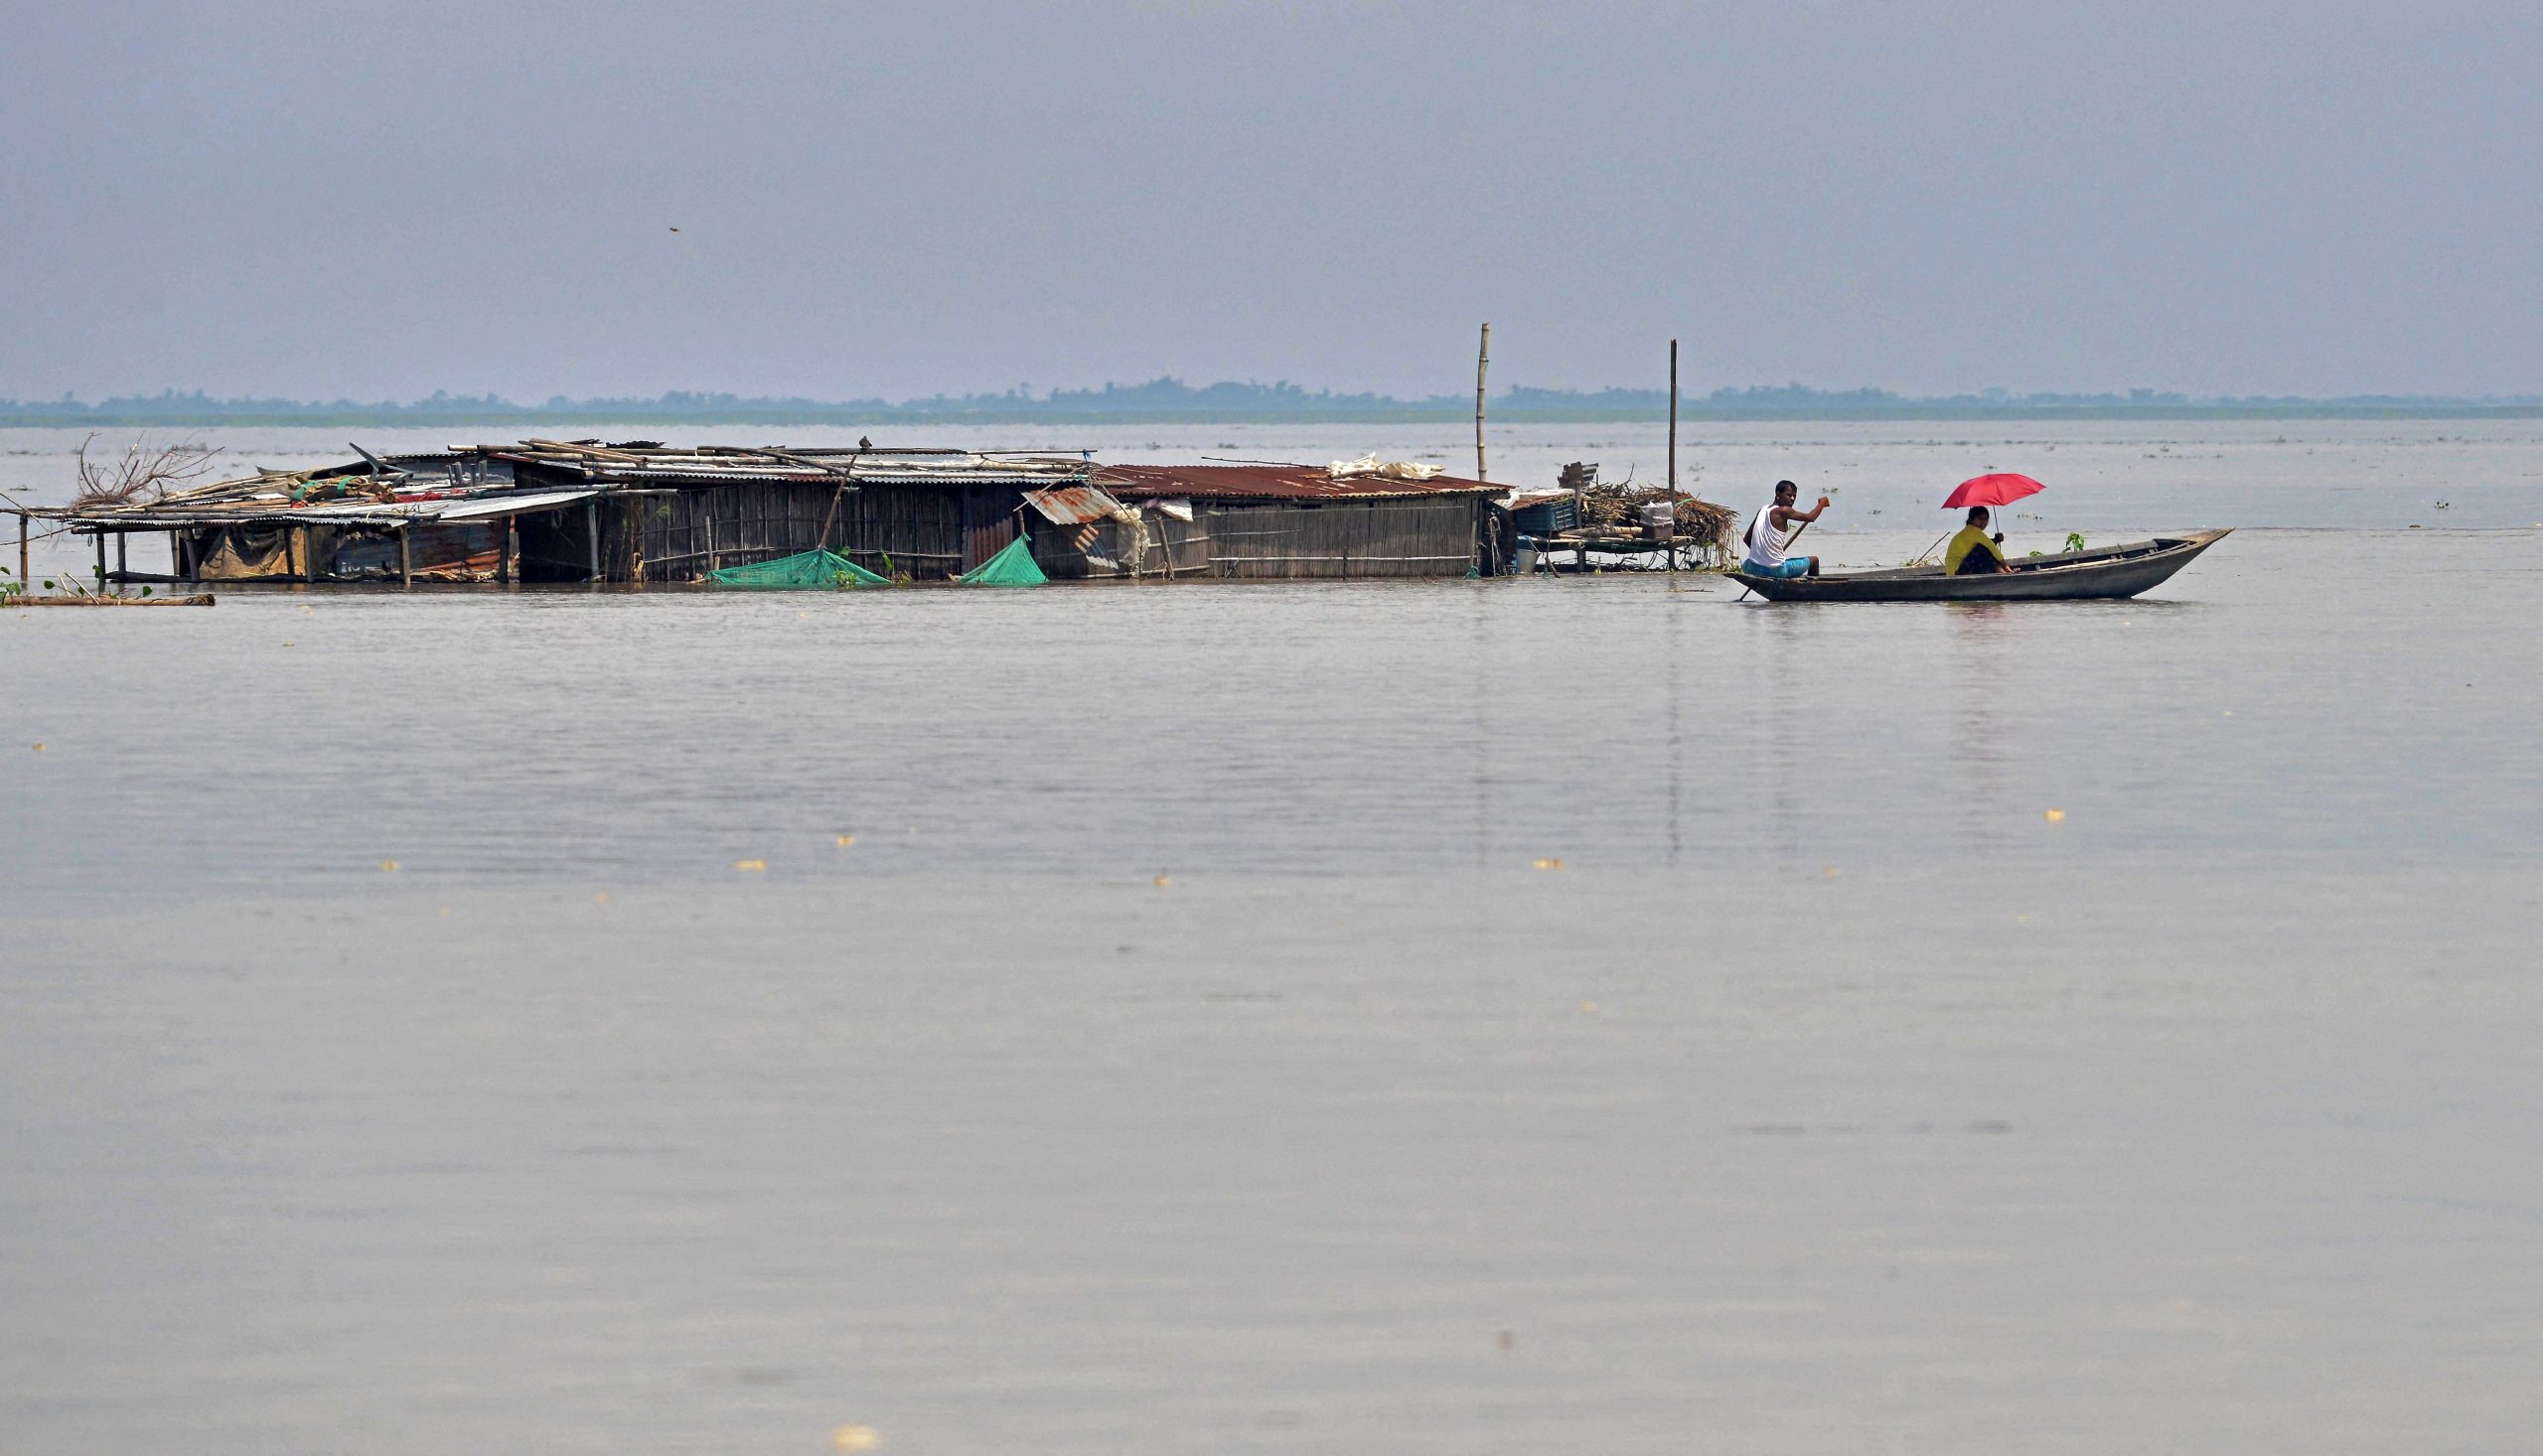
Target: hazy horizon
{"points": [[374, 202]]}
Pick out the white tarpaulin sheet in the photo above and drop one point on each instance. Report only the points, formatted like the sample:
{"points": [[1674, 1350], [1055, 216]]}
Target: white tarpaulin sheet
{"points": [[1394, 469]]}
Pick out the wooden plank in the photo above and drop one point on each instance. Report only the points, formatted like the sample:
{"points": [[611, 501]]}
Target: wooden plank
{"points": [[201, 599]]}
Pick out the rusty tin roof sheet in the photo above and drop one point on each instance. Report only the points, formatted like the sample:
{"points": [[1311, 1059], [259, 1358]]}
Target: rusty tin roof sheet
{"points": [[1073, 505]]}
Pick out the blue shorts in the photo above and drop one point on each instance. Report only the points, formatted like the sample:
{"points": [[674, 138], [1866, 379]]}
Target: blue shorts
{"points": [[1792, 567]]}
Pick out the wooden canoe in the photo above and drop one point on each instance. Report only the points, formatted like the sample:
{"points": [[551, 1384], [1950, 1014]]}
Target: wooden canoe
{"points": [[2068, 576]]}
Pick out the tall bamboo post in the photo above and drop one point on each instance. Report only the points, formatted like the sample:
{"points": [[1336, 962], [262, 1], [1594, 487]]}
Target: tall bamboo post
{"points": [[22, 550], [1673, 455], [1482, 361]]}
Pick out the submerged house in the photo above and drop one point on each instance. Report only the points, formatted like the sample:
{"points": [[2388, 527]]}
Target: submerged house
{"points": [[640, 512]]}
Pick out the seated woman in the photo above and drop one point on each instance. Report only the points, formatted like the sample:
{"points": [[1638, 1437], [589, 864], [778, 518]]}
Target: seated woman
{"points": [[1972, 552]]}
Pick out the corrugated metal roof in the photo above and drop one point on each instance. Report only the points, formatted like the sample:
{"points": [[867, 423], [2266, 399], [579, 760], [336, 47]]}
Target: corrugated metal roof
{"points": [[509, 505], [1074, 505], [1271, 482], [737, 467]]}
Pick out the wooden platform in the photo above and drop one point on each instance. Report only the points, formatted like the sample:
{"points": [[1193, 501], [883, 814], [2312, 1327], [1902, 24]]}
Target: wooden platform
{"points": [[1695, 552], [200, 599]]}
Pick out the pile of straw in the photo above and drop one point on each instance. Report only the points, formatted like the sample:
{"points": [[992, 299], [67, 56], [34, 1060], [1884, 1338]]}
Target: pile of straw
{"points": [[1621, 506]]}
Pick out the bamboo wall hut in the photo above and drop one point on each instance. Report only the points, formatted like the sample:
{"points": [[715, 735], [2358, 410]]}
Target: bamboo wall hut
{"points": [[670, 516]]}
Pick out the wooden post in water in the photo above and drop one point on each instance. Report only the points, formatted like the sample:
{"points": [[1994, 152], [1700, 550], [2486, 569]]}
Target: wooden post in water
{"points": [[22, 553], [102, 560], [1482, 361], [406, 555], [505, 548], [124, 562], [1673, 455], [591, 529]]}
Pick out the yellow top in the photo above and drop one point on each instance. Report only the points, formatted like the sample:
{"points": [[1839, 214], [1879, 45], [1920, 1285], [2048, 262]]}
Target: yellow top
{"points": [[1971, 538]]}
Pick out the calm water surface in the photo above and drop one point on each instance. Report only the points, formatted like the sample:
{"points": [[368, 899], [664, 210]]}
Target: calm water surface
{"points": [[1831, 1096]]}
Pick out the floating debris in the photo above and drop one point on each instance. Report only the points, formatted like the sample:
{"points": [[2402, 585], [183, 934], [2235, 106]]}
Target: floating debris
{"points": [[750, 865]]}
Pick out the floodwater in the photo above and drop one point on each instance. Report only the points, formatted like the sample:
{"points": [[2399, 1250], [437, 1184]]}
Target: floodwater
{"points": [[2077, 1027]]}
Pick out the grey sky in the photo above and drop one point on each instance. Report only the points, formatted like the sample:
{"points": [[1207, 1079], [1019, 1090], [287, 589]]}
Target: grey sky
{"points": [[379, 201]]}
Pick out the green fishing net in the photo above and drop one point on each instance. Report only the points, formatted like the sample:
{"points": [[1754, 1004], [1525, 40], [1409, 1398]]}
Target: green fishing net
{"points": [[1011, 567], [815, 570]]}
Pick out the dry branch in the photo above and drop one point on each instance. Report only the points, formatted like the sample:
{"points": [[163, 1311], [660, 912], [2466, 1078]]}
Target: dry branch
{"points": [[145, 475]]}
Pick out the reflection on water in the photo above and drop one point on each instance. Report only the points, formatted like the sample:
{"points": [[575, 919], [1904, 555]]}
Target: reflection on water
{"points": [[1978, 750]]}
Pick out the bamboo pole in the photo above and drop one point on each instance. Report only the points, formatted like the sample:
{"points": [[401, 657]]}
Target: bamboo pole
{"points": [[1482, 361], [1673, 455], [22, 548], [591, 531], [406, 556]]}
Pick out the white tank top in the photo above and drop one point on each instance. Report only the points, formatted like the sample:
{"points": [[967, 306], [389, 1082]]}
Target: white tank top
{"points": [[1765, 538]]}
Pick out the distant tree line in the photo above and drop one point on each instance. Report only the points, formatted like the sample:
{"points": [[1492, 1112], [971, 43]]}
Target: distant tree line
{"points": [[1167, 400]]}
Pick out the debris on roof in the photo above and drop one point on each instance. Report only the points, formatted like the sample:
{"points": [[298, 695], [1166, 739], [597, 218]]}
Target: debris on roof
{"points": [[498, 479]]}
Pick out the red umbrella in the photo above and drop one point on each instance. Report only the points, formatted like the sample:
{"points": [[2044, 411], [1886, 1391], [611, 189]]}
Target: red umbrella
{"points": [[1992, 490]]}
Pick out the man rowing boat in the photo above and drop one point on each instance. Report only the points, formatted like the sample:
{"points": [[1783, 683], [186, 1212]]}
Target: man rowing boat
{"points": [[1766, 540]]}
